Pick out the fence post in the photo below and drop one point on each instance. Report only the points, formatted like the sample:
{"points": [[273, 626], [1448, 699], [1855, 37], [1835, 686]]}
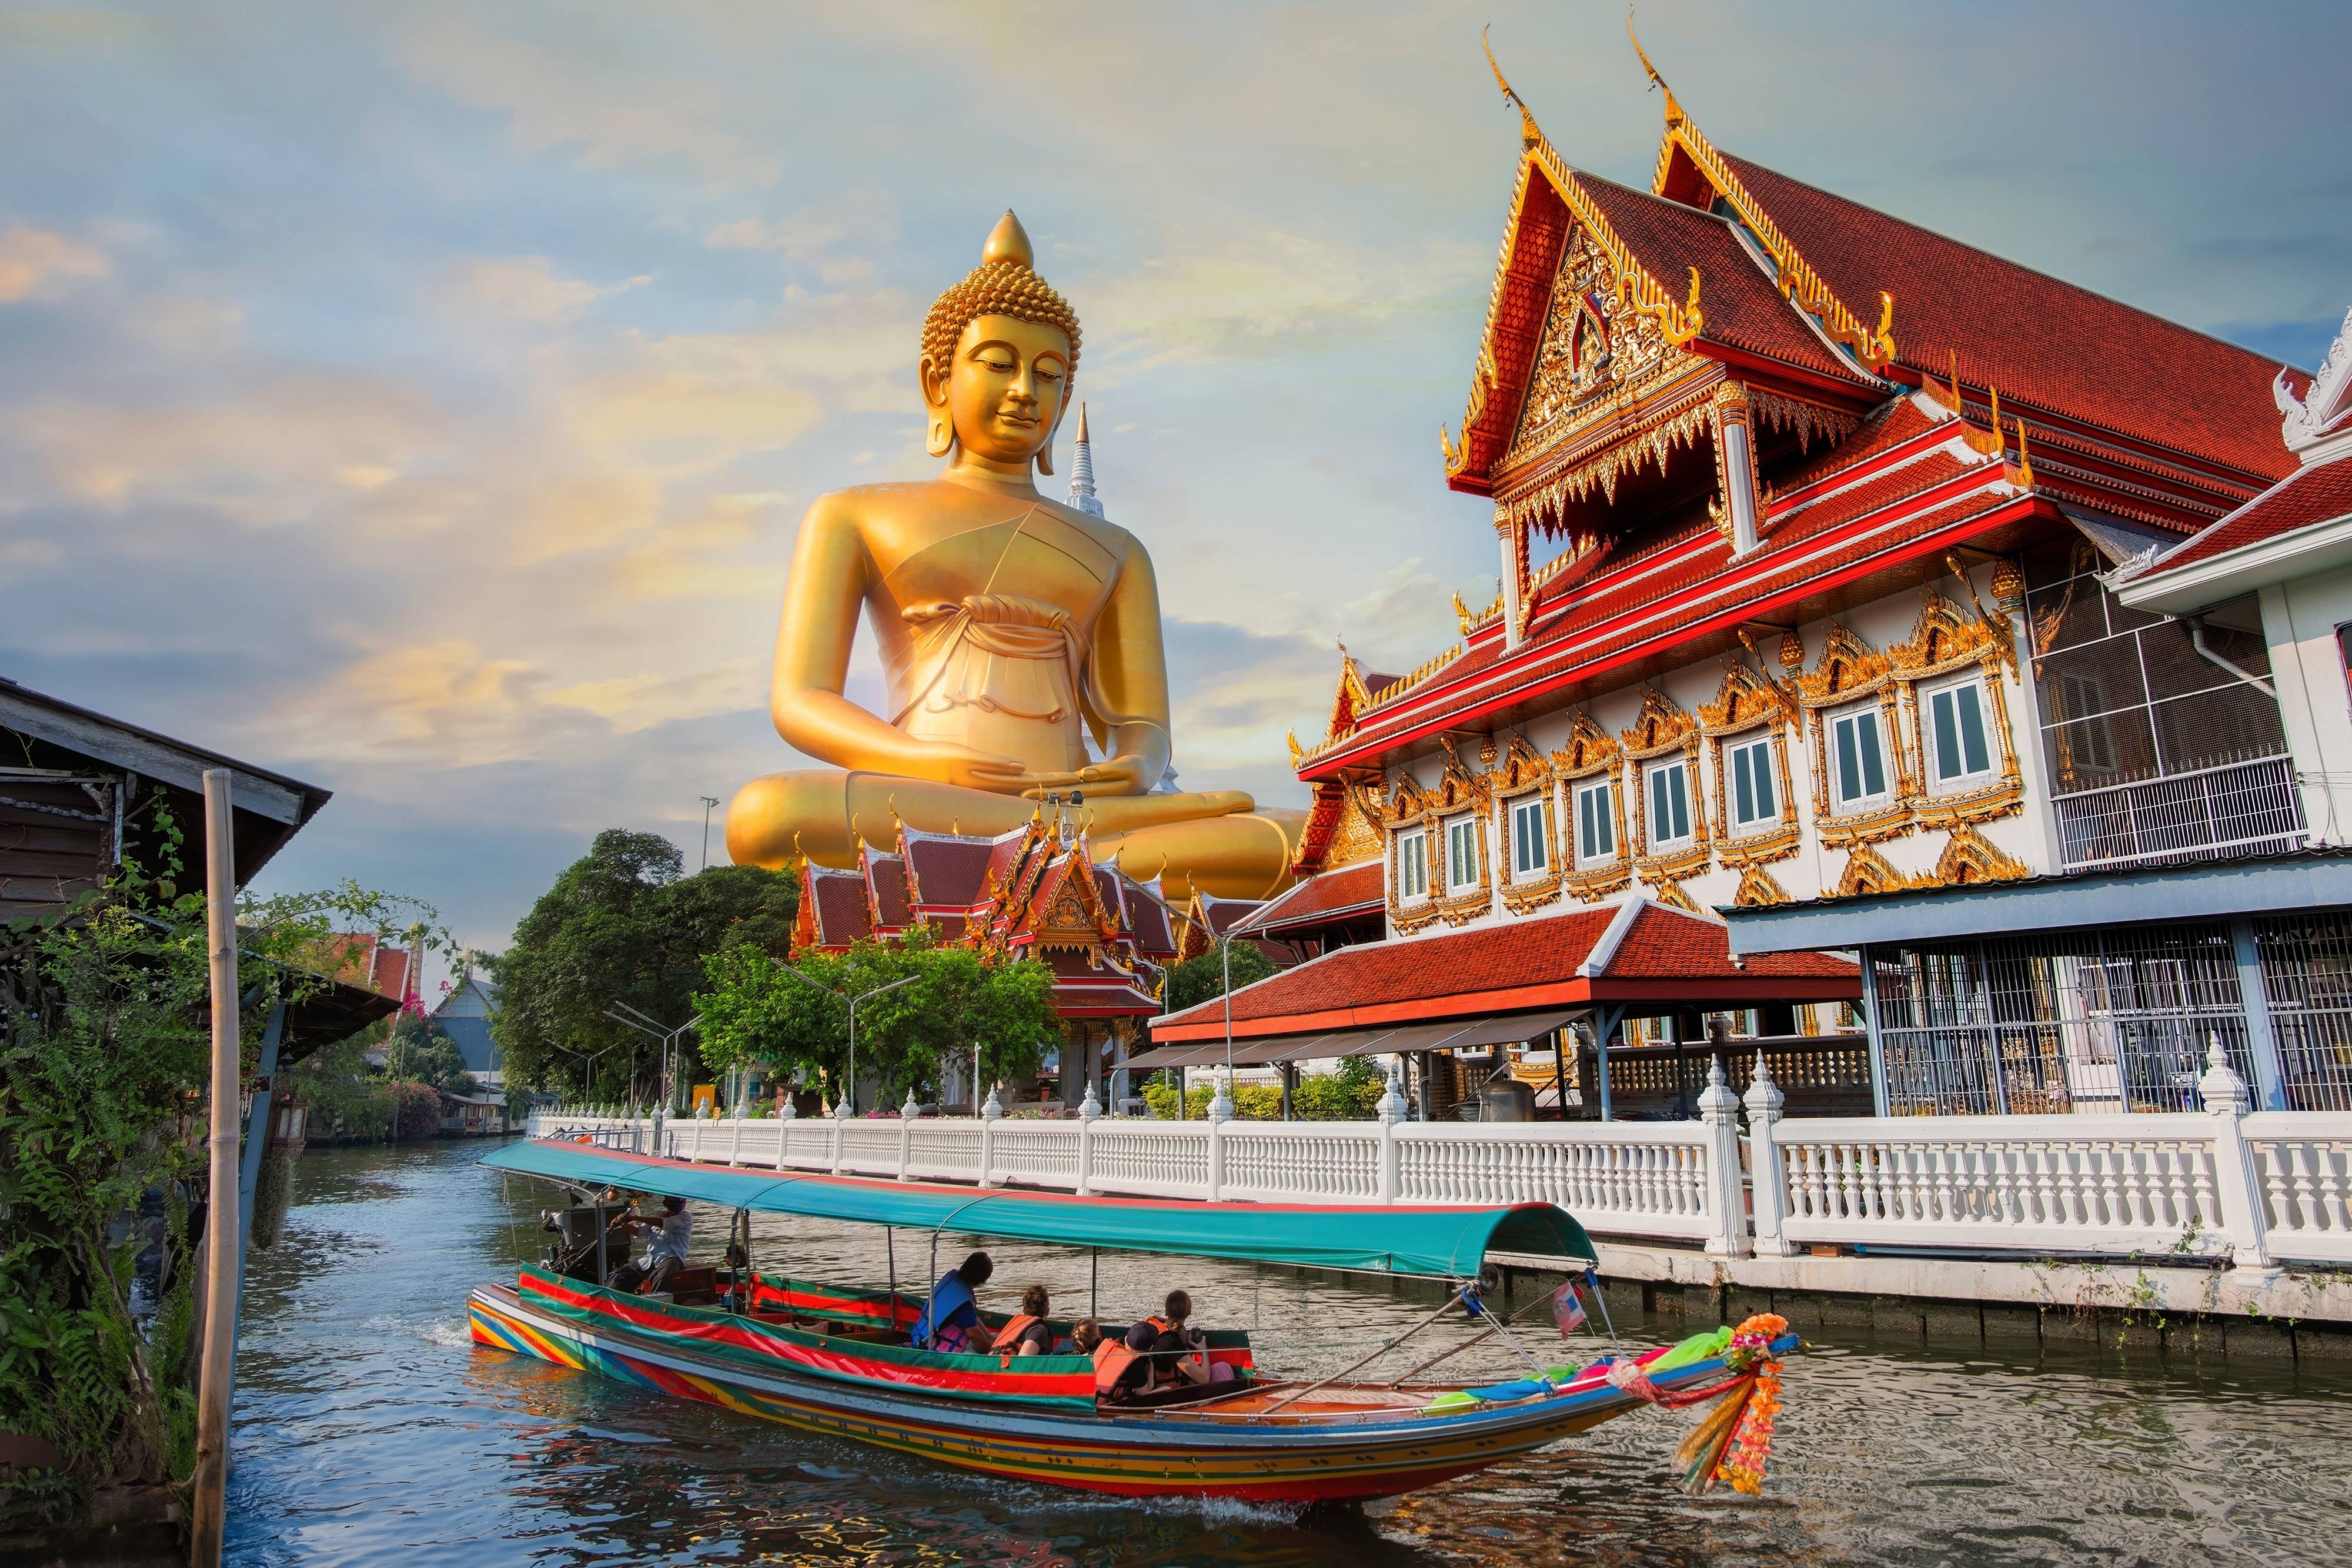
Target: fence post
{"points": [[990, 1114], [1221, 1111], [735, 1144], [840, 1131], [1768, 1191], [786, 1114], [1394, 1108], [908, 1112], [2234, 1182], [1087, 1110], [1718, 1112]]}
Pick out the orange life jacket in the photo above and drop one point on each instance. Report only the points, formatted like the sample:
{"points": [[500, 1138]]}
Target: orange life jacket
{"points": [[1008, 1338], [1114, 1356]]}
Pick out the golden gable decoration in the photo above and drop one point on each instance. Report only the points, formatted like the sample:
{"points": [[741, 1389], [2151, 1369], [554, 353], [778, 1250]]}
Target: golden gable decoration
{"points": [[1758, 889], [1971, 859], [1867, 870], [1672, 895], [1947, 640], [1662, 726], [1590, 749]]}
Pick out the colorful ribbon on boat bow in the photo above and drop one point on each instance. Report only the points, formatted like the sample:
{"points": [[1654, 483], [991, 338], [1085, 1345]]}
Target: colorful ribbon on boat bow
{"points": [[1733, 1440]]}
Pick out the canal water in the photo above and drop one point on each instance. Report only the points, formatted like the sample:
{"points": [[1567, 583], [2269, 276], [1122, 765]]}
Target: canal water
{"points": [[369, 1430]]}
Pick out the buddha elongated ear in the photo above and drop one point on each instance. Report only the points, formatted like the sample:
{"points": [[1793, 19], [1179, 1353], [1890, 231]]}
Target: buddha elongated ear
{"points": [[939, 430], [1045, 453]]}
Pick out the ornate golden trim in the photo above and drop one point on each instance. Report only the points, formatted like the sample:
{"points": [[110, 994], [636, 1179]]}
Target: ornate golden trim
{"points": [[1808, 419], [1972, 858], [1661, 728], [1672, 895], [1850, 670], [1797, 279], [1945, 642], [1654, 439], [1748, 701], [1867, 870], [1519, 772], [1758, 888]]}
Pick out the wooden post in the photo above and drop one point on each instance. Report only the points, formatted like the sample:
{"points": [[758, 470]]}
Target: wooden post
{"points": [[226, 1248]]}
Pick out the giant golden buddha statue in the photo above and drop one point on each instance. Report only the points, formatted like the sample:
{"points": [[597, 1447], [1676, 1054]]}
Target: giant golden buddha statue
{"points": [[1012, 627]]}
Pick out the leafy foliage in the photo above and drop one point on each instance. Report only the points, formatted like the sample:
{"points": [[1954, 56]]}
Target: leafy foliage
{"points": [[420, 1049], [104, 1059], [754, 1010], [1196, 981], [1351, 1094], [622, 924]]}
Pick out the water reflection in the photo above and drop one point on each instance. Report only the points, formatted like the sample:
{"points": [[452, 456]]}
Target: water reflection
{"points": [[370, 1429]]}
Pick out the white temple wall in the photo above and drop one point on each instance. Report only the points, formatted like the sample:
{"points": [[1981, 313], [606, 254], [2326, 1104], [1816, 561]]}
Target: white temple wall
{"points": [[2023, 839], [2299, 622]]}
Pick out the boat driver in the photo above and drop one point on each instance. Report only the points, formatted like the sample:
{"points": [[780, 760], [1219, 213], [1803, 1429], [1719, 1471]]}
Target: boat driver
{"points": [[950, 1319], [664, 1255]]}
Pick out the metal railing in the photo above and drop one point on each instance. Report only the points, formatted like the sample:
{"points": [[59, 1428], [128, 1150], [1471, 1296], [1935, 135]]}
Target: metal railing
{"points": [[2239, 807], [2214, 1182]]}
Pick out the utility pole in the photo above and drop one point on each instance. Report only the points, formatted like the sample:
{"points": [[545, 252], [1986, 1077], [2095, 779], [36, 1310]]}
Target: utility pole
{"points": [[849, 1099], [223, 1245], [710, 804], [651, 1029]]}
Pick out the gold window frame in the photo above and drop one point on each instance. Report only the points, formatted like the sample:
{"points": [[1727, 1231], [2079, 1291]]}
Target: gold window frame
{"points": [[1748, 702], [1593, 753], [1523, 771], [1949, 642], [1849, 671], [1661, 729]]}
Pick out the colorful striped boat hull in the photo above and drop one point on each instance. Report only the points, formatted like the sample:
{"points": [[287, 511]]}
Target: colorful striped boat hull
{"points": [[1300, 1455]]}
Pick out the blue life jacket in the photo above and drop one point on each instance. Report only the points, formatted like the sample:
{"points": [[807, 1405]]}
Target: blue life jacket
{"points": [[948, 1297]]}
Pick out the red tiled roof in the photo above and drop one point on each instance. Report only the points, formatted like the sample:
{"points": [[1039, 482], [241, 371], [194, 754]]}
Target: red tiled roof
{"points": [[888, 880], [1889, 425], [948, 871], [1664, 955], [1741, 307], [1352, 890], [2041, 342], [2306, 497], [842, 917]]}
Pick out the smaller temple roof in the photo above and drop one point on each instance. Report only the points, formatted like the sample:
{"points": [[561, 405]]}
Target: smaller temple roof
{"points": [[942, 871], [886, 881], [1324, 899], [1635, 952]]}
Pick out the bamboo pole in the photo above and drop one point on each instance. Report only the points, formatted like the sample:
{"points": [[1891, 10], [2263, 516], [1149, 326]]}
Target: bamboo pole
{"points": [[221, 1212]]}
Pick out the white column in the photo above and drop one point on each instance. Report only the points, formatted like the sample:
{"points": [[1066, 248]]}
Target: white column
{"points": [[1739, 481], [906, 1114], [1768, 1189], [1221, 1111], [990, 1114], [1718, 1111], [2236, 1185], [1088, 1110], [1394, 1108]]}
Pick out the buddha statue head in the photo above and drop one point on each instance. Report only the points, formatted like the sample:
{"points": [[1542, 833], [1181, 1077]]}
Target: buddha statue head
{"points": [[1000, 349]]}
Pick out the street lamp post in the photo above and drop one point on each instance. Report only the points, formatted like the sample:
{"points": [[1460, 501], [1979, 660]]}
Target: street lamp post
{"points": [[651, 1028], [710, 804], [849, 1098], [1225, 949]]}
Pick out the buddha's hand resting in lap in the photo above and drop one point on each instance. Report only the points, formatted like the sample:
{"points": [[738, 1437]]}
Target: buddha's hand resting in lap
{"points": [[1122, 775]]}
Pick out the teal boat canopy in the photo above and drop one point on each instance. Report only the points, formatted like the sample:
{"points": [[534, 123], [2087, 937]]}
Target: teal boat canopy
{"points": [[1428, 1241]]}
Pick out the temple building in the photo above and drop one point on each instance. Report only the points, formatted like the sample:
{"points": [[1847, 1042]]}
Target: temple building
{"points": [[1814, 633], [1035, 892]]}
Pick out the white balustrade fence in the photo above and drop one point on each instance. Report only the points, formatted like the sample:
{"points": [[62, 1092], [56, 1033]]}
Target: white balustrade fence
{"points": [[2218, 1183]]}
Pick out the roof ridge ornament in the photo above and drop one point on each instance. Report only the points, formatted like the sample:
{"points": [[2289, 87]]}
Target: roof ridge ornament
{"points": [[1529, 132], [1674, 110]]}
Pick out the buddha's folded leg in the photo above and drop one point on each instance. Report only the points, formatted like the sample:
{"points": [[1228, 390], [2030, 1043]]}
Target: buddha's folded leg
{"points": [[823, 813], [1243, 855]]}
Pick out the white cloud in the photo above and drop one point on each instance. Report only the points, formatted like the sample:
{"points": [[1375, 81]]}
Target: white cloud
{"points": [[37, 261], [528, 288]]}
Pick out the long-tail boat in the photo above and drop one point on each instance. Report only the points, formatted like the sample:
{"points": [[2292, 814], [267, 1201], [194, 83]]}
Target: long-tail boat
{"points": [[837, 1361]]}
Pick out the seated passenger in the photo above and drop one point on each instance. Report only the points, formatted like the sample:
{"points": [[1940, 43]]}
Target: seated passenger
{"points": [[950, 1319], [665, 1256], [1159, 1352], [1024, 1332]]}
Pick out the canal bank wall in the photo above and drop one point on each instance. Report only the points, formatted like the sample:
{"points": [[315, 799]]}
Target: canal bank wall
{"points": [[2275, 1314]]}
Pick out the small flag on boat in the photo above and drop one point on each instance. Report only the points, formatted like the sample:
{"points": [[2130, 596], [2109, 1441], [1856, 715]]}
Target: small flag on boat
{"points": [[1568, 1308]]}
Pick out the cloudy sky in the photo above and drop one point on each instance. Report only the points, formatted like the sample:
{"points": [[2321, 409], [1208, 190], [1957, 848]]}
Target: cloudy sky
{"points": [[421, 399]]}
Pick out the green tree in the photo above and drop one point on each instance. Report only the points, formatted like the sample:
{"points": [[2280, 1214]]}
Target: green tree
{"points": [[622, 924], [1196, 981], [104, 1047], [751, 1010], [420, 1049]]}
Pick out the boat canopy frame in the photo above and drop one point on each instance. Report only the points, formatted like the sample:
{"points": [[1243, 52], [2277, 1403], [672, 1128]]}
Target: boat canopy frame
{"points": [[1425, 1241]]}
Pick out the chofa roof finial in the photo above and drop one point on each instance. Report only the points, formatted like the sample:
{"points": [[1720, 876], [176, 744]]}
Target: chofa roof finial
{"points": [[1674, 110], [1529, 134]]}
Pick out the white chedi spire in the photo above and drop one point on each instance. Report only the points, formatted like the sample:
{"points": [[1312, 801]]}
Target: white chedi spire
{"points": [[1081, 472]]}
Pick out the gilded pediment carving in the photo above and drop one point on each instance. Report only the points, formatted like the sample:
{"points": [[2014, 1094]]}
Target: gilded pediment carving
{"points": [[1590, 749]]}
